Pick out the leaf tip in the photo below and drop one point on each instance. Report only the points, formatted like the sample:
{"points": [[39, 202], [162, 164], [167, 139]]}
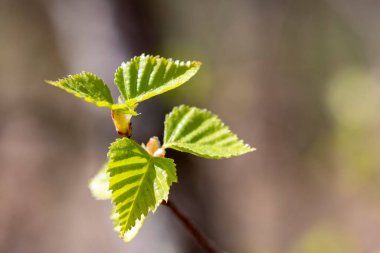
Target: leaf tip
{"points": [[197, 63], [54, 83], [249, 149]]}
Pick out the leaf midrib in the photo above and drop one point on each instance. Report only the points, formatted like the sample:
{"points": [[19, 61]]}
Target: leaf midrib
{"points": [[136, 196]]}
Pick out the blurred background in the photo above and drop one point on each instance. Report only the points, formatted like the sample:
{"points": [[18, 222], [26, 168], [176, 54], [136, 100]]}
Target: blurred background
{"points": [[297, 79]]}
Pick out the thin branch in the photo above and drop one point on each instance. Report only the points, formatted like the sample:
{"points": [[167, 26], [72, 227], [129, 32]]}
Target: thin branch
{"points": [[198, 236]]}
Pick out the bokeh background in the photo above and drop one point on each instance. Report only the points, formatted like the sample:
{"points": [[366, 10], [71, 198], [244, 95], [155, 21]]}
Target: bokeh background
{"points": [[297, 79]]}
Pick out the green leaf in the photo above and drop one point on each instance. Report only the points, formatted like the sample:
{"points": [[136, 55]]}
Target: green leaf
{"points": [[99, 184], [146, 76], [132, 232], [99, 188], [199, 132], [139, 182], [90, 88], [87, 86]]}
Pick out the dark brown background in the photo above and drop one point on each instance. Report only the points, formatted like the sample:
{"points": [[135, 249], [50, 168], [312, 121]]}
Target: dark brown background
{"points": [[297, 79]]}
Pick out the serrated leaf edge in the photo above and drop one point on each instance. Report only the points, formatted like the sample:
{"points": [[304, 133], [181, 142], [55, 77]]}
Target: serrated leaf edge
{"points": [[151, 208], [128, 108], [176, 146], [193, 65]]}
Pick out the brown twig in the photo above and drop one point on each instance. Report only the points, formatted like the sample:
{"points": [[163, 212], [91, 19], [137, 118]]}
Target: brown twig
{"points": [[199, 237]]}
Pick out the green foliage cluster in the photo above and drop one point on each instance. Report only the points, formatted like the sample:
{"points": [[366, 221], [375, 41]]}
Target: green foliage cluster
{"points": [[137, 178]]}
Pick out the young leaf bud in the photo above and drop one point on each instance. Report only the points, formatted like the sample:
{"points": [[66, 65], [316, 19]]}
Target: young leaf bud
{"points": [[122, 122]]}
